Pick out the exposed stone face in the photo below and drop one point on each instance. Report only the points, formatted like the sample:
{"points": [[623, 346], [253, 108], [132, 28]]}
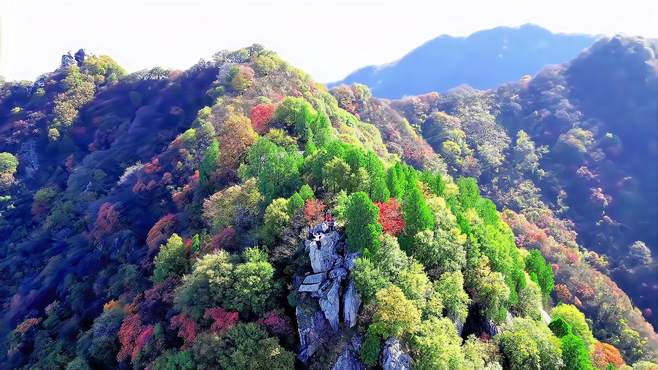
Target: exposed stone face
{"points": [[80, 56], [312, 328], [315, 278], [28, 158], [338, 273], [68, 60], [330, 302], [348, 360], [309, 288], [393, 357], [350, 259], [319, 320], [459, 326], [490, 328], [351, 304], [322, 251]]}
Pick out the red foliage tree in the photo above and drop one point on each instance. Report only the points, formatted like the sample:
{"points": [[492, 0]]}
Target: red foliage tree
{"points": [[222, 319], [107, 221], [131, 327], [225, 239], [182, 197], [161, 230], [276, 323], [390, 217], [155, 302], [260, 116], [314, 211], [186, 328], [141, 340]]}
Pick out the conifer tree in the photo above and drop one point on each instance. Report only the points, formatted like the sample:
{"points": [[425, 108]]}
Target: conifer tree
{"points": [[362, 226]]}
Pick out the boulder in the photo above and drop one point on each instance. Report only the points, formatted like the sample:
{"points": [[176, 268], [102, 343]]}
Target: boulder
{"points": [[489, 328], [350, 259], [68, 60], [330, 302], [545, 316], [393, 357], [348, 360], [315, 278], [309, 288], [312, 327], [338, 273], [351, 304], [459, 326], [322, 252], [80, 57]]}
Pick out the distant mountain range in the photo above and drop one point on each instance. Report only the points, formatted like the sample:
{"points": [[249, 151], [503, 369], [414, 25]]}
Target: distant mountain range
{"points": [[482, 60]]}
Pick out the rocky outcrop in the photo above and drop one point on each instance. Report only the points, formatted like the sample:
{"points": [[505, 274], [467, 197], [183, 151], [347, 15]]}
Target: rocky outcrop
{"points": [[393, 357], [68, 60], [322, 251], [351, 304], [29, 159], [71, 60], [324, 291], [312, 327], [80, 56], [490, 328], [349, 359], [330, 302], [459, 326]]}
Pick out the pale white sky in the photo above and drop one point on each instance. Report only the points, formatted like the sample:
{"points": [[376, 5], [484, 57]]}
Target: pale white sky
{"points": [[327, 38]]}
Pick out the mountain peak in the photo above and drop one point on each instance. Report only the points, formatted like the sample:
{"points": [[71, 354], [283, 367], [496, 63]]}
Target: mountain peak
{"points": [[484, 59]]}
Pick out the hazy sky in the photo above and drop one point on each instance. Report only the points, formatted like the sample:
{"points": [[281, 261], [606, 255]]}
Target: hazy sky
{"points": [[327, 38]]}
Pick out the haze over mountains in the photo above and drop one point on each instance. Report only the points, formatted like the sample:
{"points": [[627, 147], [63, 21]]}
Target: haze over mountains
{"points": [[485, 59]]}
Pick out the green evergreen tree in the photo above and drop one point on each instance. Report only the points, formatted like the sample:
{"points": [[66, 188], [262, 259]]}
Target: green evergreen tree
{"points": [[574, 353], [171, 259], [396, 180], [378, 189], [209, 164], [540, 271], [560, 327], [417, 214], [362, 226]]}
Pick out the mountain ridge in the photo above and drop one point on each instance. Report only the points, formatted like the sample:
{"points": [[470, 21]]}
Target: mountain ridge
{"points": [[446, 61]]}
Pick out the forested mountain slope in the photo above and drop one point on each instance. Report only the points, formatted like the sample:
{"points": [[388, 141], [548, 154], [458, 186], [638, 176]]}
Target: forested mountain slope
{"points": [[485, 59], [239, 216], [577, 142]]}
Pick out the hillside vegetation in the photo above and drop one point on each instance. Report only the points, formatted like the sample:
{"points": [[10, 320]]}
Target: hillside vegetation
{"points": [[238, 215]]}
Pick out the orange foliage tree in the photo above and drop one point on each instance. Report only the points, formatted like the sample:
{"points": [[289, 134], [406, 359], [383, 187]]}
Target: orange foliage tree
{"points": [[235, 138], [605, 354], [314, 211], [107, 221], [161, 230]]}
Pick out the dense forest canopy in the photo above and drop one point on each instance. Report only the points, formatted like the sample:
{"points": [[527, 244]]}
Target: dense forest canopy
{"points": [[238, 215]]}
